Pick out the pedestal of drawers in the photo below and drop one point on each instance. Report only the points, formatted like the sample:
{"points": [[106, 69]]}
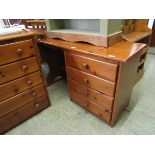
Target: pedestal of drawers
{"points": [[102, 87]]}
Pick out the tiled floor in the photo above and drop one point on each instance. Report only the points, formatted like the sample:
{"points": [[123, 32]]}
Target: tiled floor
{"points": [[66, 117]]}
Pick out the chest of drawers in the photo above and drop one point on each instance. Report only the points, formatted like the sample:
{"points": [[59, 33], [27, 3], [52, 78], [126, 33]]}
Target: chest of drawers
{"points": [[22, 89]]}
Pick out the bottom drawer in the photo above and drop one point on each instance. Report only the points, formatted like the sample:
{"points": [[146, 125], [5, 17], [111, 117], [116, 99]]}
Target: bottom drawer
{"points": [[19, 100], [91, 106], [23, 113]]}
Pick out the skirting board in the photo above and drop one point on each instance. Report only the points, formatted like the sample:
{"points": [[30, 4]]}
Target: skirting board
{"points": [[98, 40]]}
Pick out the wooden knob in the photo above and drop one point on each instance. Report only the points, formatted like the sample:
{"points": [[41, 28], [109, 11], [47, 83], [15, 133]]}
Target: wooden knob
{"points": [[19, 51], [25, 68], [86, 66], [86, 93], [29, 82], [34, 93], [37, 105], [86, 81], [16, 113], [86, 104]]}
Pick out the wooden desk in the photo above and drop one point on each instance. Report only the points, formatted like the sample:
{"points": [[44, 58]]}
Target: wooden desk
{"points": [[101, 79], [22, 88]]}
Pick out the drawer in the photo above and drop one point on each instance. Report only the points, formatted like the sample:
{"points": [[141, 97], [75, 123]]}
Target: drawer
{"points": [[144, 50], [17, 86], [91, 106], [98, 68], [142, 57], [95, 96], [140, 73], [16, 51], [23, 113], [92, 81], [21, 99], [17, 69]]}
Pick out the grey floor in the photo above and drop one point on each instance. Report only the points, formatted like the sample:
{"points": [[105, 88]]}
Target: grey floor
{"points": [[66, 117]]}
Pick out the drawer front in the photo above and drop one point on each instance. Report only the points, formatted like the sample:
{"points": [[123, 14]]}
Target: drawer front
{"points": [[143, 56], [17, 86], [98, 68], [21, 99], [91, 106], [17, 69], [23, 113], [95, 96], [91, 81], [16, 51]]}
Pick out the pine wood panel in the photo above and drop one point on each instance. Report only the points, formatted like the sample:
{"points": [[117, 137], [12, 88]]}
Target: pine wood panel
{"points": [[98, 40], [14, 118], [91, 81], [98, 68], [95, 96], [136, 36], [17, 86], [21, 99], [17, 69], [16, 51], [125, 83]]}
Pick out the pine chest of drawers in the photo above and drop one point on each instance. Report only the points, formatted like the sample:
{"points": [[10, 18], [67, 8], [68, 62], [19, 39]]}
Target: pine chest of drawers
{"points": [[22, 89], [100, 79]]}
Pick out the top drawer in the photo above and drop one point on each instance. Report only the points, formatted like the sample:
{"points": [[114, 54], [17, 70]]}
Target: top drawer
{"points": [[16, 51], [98, 68]]}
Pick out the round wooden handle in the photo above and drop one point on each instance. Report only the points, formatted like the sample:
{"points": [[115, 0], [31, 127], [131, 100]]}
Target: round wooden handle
{"points": [[86, 66], [29, 82], [86, 104], [19, 51], [25, 68], [86, 81], [34, 93], [37, 105], [86, 93]]}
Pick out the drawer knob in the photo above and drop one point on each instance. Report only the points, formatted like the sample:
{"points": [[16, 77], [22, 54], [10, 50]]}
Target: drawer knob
{"points": [[86, 81], [86, 93], [19, 51], [29, 82], [86, 66], [34, 93], [86, 104], [37, 105], [25, 68]]}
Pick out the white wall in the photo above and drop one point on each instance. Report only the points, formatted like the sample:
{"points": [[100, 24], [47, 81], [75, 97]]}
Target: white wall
{"points": [[150, 24], [1, 23]]}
